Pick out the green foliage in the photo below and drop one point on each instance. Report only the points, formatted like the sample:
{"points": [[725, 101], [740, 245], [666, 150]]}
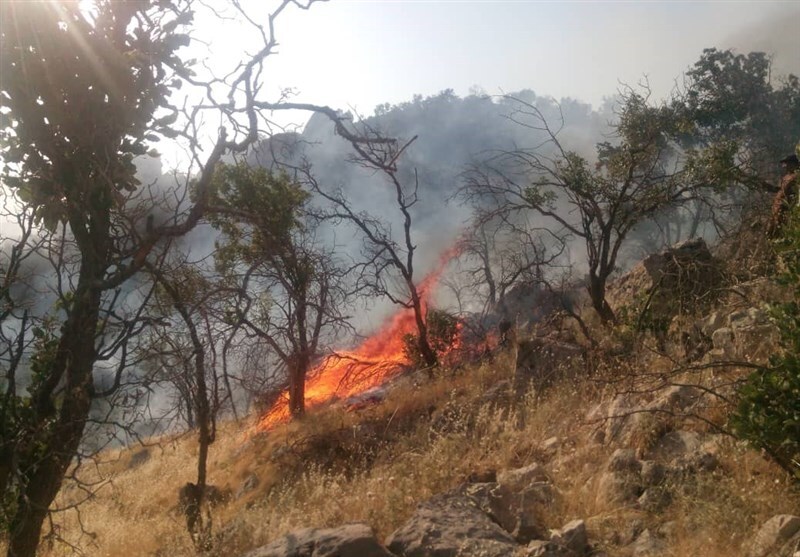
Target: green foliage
{"points": [[80, 101], [732, 100], [256, 210], [442, 332], [768, 411]]}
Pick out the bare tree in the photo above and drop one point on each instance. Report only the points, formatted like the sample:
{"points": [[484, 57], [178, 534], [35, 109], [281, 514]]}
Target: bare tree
{"points": [[386, 257]]}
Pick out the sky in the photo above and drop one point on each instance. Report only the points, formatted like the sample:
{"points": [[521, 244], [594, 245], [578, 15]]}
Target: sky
{"points": [[358, 54]]}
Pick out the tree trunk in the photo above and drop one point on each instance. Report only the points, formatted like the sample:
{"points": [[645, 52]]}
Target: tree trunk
{"points": [[46, 458], [425, 350], [298, 369], [597, 293]]}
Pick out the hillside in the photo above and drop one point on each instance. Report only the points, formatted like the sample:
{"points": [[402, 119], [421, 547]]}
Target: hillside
{"points": [[628, 436]]}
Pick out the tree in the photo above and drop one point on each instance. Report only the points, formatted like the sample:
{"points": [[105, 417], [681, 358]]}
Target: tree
{"points": [[500, 254], [732, 98], [84, 89], [635, 176], [189, 294], [385, 257], [291, 290]]}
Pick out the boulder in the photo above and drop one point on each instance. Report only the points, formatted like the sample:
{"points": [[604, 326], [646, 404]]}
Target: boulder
{"points": [[648, 545], [541, 548], [520, 478], [450, 525], [516, 512], [776, 533], [349, 540], [573, 536], [621, 482]]}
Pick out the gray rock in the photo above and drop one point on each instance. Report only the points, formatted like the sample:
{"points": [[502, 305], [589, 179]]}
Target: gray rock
{"points": [[674, 445], [349, 540], [573, 536], [624, 460], [541, 548], [249, 484], [774, 534], [520, 478], [450, 525], [654, 499], [621, 482], [653, 473], [648, 545], [516, 512]]}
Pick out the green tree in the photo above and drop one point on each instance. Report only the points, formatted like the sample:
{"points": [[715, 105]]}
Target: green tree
{"points": [[635, 176], [733, 98], [291, 289], [84, 89]]}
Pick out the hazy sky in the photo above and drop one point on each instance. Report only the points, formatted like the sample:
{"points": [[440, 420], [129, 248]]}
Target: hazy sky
{"points": [[363, 53]]}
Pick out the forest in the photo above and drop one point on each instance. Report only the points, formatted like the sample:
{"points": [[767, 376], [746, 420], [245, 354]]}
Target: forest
{"points": [[141, 300]]}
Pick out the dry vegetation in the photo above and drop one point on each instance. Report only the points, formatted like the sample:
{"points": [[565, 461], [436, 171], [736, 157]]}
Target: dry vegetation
{"points": [[376, 464]]}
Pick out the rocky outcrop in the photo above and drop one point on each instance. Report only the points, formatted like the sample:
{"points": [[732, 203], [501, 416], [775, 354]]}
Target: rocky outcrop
{"points": [[450, 525], [350, 540], [779, 537]]}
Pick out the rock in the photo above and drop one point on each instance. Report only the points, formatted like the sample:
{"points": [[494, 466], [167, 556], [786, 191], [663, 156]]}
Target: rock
{"points": [[516, 512], [249, 484], [773, 535], [450, 525], [541, 548], [349, 540], [648, 545], [675, 399], [653, 473], [520, 478], [572, 535], [621, 482], [624, 460], [550, 444], [654, 499], [674, 445]]}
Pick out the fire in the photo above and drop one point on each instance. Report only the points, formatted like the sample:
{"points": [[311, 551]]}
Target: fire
{"points": [[376, 360]]}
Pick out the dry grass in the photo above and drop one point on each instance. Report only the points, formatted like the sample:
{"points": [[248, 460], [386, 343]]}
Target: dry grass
{"points": [[376, 465]]}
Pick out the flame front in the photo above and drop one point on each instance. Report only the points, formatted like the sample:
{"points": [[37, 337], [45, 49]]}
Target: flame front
{"points": [[376, 360]]}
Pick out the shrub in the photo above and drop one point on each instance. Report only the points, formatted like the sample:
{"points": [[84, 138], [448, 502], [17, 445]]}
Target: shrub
{"points": [[768, 411]]}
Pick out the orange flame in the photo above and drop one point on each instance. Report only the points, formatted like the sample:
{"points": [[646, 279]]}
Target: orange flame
{"points": [[376, 360]]}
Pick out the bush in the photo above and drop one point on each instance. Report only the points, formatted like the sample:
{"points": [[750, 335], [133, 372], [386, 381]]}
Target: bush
{"points": [[768, 411]]}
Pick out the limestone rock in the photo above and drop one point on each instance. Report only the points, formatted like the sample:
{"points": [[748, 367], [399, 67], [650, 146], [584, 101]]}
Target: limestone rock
{"points": [[517, 512], [621, 482], [450, 525], [773, 535], [648, 545], [349, 540], [541, 548], [520, 478], [573, 536]]}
